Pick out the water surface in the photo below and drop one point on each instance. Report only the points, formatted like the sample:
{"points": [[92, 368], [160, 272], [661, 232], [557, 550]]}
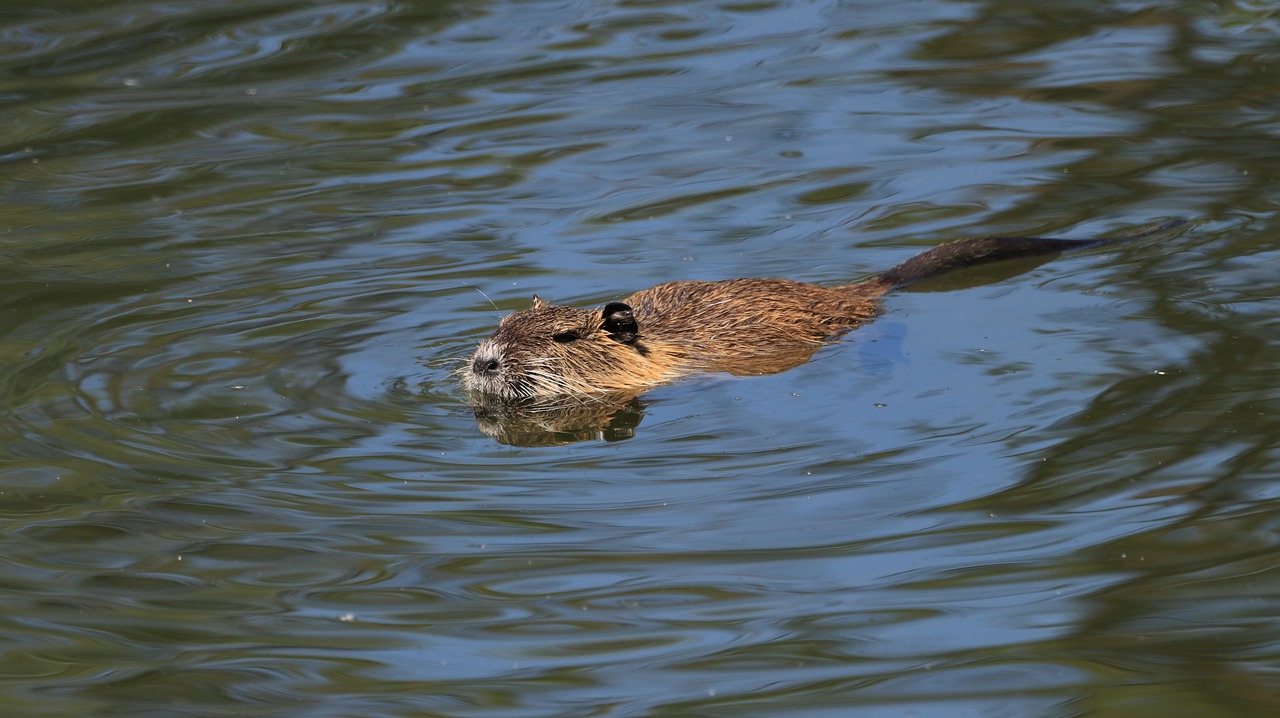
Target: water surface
{"points": [[246, 244]]}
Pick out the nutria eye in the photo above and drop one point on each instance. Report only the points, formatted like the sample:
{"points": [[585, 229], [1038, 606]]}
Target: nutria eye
{"points": [[565, 337]]}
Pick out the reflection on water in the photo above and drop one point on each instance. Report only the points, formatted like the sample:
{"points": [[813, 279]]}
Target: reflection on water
{"points": [[246, 243], [558, 421]]}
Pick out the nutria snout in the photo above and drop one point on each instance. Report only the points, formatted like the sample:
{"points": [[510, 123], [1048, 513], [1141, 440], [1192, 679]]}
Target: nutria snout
{"points": [[739, 326]]}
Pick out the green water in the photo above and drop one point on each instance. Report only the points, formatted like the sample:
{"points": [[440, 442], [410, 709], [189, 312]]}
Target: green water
{"points": [[246, 243]]}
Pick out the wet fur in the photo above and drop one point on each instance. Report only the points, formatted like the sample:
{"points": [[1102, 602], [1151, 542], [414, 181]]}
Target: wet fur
{"points": [[739, 326]]}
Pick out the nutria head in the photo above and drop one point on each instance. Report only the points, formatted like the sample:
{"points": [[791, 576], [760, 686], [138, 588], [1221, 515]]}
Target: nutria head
{"points": [[551, 350]]}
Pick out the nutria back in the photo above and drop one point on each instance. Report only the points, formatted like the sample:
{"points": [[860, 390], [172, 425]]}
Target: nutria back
{"points": [[738, 326]]}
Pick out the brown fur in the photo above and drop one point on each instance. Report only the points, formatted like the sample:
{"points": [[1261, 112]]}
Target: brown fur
{"points": [[739, 326]]}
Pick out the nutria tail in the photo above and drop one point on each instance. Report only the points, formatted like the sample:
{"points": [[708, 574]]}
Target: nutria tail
{"points": [[968, 252]]}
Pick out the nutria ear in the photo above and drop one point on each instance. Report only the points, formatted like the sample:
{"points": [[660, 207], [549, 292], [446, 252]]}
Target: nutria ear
{"points": [[619, 322]]}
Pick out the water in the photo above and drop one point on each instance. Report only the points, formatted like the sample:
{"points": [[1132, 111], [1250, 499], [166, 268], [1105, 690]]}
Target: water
{"points": [[246, 244]]}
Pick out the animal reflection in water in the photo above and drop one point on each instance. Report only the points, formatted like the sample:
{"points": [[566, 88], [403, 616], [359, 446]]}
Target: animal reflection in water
{"points": [[556, 374], [551, 422]]}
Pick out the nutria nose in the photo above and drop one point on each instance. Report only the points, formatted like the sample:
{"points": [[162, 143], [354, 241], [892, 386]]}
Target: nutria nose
{"points": [[484, 366]]}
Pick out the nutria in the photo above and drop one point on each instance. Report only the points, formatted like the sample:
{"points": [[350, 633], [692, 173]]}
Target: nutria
{"points": [[739, 326]]}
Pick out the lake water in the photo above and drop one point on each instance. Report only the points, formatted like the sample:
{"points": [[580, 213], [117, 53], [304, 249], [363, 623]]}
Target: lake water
{"points": [[246, 244]]}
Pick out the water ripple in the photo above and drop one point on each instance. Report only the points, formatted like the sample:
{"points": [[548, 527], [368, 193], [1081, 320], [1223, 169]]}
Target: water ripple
{"points": [[247, 243]]}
